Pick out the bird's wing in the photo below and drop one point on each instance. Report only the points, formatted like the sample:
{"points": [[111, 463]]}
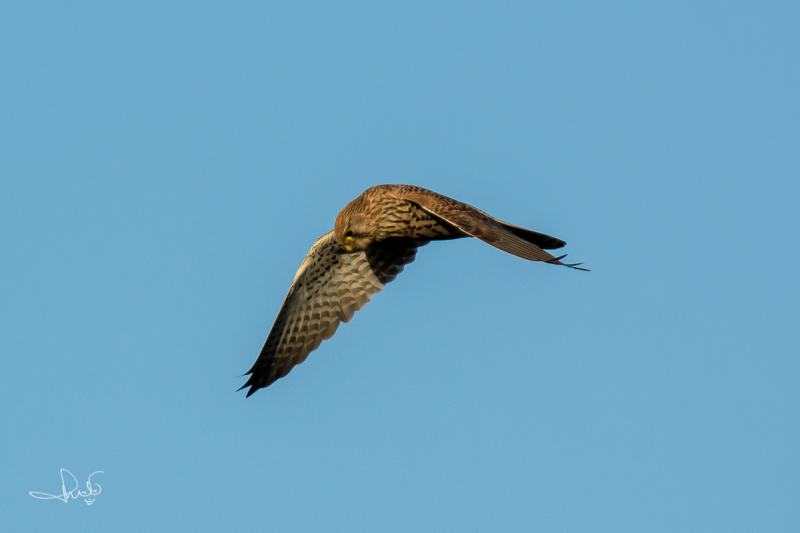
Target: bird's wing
{"points": [[330, 286], [513, 239]]}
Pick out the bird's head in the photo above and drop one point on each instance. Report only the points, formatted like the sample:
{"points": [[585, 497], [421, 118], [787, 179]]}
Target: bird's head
{"points": [[353, 231]]}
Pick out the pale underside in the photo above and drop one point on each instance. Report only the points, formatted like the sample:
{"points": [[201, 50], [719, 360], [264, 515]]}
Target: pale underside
{"points": [[330, 286]]}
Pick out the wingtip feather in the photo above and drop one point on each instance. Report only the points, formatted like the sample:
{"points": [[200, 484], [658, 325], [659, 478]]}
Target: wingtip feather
{"points": [[557, 261]]}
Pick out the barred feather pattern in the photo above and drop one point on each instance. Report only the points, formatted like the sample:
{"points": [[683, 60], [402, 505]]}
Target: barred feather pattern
{"points": [[411, 211], [330, 286]]}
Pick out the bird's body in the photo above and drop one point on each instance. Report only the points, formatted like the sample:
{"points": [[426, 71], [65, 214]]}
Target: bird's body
{"points": [[374, 237], [382, 215]]}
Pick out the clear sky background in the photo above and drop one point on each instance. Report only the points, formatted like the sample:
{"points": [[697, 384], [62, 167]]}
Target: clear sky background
{"points": [[165, 166]]}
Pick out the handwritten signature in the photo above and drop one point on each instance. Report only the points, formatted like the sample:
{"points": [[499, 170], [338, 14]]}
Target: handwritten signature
{"points": [[74, 493]]}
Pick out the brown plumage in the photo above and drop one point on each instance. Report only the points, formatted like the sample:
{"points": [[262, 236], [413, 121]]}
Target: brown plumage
{"points": [[374, 237]]}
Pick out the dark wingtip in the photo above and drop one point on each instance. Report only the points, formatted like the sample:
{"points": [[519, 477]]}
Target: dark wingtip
{"points": [[249, 383], [542, 240], [557, 261], [253, 388], [576, 267]]}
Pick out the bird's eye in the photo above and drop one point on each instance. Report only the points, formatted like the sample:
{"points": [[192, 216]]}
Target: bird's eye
{"points": [[348, 234]]}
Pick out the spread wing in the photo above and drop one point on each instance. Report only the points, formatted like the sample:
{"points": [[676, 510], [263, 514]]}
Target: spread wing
{"points": [[515, 240], [330, 286]]}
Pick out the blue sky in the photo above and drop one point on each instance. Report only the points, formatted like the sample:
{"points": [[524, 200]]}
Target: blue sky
{"points": [[165, 166]]}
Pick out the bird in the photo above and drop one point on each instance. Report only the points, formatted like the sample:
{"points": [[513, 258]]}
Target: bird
{"points": [[373, 238]]}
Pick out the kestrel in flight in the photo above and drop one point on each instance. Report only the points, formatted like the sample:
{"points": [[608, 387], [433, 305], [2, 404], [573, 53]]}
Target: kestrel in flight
{"points": [[374, 237]]}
